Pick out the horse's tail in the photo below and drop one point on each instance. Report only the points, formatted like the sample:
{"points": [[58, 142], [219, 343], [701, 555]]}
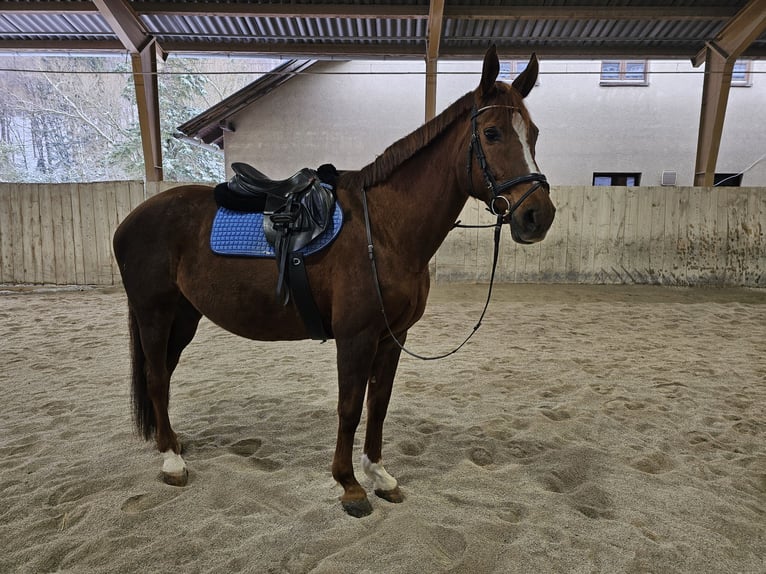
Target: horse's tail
{"points": [[143, 410]]}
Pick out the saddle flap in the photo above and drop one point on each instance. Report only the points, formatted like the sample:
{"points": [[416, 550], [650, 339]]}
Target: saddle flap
{"points": [[293, 223]]}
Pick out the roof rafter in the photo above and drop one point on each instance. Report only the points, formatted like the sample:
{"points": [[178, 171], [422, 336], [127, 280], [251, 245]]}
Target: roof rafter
{"points": [[719, 56], [433, 42], [143, 49]]}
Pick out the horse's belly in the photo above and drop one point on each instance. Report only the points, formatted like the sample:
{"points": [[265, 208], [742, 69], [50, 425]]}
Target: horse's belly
{"points": [[239, 295]]}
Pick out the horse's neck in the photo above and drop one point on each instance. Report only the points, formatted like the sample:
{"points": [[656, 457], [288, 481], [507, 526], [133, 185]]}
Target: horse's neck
{"points": [[422, 199]]}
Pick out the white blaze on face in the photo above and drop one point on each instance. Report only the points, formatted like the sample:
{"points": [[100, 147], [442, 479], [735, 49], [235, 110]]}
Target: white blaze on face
{"points": [[520, 127], [381, 479]]}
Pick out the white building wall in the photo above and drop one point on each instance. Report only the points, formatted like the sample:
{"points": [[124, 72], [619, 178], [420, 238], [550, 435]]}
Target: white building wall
{"points": [[344, 113], [348, 112]]}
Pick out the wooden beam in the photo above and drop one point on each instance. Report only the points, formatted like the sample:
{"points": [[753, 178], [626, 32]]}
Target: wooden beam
{"points": [[51, 7], [147, 100], [128, 27], [125, 23], [433, 42], [715, 96], [719, 56], [61, 46], [741, 31]]}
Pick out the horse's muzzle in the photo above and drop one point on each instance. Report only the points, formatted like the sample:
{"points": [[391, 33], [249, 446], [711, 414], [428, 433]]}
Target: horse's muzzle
{"points": [[530, 221]]}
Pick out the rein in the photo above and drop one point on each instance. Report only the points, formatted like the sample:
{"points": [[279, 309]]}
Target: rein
{"points": [[497, 189], [371, 252]]}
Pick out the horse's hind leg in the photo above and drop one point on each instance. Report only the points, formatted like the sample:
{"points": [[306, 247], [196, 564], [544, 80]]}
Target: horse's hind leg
{"points": [[378, 396], [164, 330]]}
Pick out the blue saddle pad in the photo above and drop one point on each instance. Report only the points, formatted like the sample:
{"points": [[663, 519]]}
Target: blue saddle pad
{"points": [[240, 233]]}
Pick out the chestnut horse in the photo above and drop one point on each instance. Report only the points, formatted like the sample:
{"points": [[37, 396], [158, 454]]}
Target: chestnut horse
{"points": [[483, 146]]}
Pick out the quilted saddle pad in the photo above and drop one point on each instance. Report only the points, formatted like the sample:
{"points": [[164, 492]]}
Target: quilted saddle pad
{"points": [[241, 234]]}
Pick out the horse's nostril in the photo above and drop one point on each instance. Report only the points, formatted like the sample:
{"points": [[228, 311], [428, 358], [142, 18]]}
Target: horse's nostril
{"points": [[530, 219]]}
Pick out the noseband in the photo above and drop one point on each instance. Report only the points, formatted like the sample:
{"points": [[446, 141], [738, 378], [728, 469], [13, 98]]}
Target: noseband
{"points": [[538, 179]]}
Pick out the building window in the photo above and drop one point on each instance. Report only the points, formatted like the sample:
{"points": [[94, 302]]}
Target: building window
{"points": [[727, 180], [509, 69], [624, 73], [616, 178], [740, 76]]}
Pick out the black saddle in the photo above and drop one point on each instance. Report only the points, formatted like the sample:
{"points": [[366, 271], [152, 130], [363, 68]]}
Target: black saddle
{"points": [[295, 210]]}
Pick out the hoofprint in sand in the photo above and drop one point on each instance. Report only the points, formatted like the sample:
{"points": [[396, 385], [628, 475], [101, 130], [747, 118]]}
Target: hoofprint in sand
{"points": [[584, 429]]}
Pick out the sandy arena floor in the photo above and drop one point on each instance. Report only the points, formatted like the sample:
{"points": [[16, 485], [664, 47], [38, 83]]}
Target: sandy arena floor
{"points": [[584, 429]]}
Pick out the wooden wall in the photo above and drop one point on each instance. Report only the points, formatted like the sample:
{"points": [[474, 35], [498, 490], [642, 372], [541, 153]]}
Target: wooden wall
{"points": [[657, 235], [61, 234]]}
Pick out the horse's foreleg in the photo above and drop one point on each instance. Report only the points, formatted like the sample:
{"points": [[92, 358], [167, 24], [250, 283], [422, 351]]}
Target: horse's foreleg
{"points": [[378, 396], [354, 363]]}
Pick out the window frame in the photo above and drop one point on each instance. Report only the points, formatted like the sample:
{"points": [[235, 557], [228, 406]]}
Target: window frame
{"points": [[747, 79], [612, 175], [510, 69], [623, 73]]}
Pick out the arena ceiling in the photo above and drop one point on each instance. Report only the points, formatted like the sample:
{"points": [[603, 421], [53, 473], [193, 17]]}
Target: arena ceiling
{"points": [[713, 32]]}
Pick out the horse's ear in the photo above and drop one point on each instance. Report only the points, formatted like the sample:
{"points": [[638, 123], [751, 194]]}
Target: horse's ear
{"points": [[489, 71], [525, 81]]}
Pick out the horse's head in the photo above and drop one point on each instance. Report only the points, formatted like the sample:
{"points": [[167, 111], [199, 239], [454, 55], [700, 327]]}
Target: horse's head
{"points": [[501, 163]]}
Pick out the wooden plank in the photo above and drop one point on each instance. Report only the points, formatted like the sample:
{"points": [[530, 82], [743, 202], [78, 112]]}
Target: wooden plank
{"points": [[548, 245], [88, 234], [113, 191], [708, 215], [683, 246], [78, 240], [720, 204], [759, 230], [602, 207], [70, 209], [618, 205], [47, 243], [574, 234], [753, 246], [657, 202], [30, 214], [103, 251], [695, 266], [589, 215], [630, 257], [6, 235], [58, 227], [561, 235], [672, 262], [17, 235], [738, 240], [641, 262]]}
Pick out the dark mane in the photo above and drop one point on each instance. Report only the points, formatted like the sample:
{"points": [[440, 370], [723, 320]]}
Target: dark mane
{"points": [[403, 149]]}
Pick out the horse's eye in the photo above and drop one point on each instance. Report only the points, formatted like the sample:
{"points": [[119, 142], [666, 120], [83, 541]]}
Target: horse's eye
{"points": [[492, 134]]}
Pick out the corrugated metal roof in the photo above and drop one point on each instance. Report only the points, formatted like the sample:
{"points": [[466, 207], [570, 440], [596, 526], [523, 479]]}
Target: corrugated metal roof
{"points": [[391, 28]]}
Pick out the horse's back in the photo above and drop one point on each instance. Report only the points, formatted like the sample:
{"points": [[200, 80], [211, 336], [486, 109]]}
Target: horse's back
{"points": [[166, 212]]}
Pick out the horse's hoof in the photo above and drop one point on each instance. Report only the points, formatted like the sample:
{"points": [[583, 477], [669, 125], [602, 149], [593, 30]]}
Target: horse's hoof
{"points": [[357, 508], [176, 479], [394, 495]]}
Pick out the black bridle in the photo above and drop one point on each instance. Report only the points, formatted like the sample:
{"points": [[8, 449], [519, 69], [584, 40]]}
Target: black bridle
{"points": [[475, 149], [539, 182]]}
